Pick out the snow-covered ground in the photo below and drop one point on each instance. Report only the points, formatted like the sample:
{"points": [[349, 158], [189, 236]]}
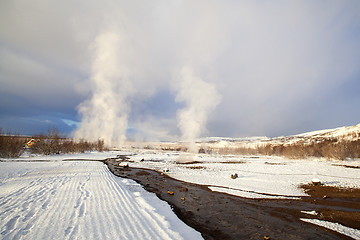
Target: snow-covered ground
{"points": [[88, 202], [258, 176], [80, 200]]}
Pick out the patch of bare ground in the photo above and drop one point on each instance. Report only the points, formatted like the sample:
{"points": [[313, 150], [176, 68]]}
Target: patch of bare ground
{"points": [[195, 167], [222, 216], [274, 163], [190, 162], [142, 173], [341, 205], [233, 162], [347, 166]]}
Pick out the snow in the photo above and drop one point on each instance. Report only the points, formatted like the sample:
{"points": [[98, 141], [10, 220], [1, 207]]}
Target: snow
{"points": [[80, 200], [88, 202], [354, 233], [310, 212], [258, 176], [65, 157], [351, 133]]}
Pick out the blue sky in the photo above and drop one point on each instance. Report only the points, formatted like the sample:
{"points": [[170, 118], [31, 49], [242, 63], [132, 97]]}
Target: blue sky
{"points": [[278, 67]]}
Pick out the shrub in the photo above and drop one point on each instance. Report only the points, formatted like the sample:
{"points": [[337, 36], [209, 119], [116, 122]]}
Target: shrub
{"points": [[11, 146]]}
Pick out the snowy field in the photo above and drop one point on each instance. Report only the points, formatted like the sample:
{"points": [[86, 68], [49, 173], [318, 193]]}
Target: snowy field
{"points": [[80, 200], [44, 197], [258, 176]]}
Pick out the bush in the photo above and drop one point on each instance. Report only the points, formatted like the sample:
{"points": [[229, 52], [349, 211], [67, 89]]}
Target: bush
{"points": [[53, 143], [11, 146]]}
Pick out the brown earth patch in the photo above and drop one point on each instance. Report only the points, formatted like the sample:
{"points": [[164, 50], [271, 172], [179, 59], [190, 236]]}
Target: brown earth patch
{"points": [[272, 163], [233, 162], [195, 167], [347, 166], [341, 205], [331, 191]]}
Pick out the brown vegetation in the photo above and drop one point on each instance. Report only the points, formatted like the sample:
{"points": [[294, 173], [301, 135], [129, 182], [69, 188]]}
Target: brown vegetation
{"points": [[327, 148], [331, 149], [12, 146]]}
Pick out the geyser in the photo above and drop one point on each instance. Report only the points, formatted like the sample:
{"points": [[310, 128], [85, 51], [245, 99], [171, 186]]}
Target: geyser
{"points": [[200, 99], [105, 113]]}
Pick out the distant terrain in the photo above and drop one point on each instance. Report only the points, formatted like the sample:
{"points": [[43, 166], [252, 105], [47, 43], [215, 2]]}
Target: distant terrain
{"points": [[49, 191], [339, 143]]}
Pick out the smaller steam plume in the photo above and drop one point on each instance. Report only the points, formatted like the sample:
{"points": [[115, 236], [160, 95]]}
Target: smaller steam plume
{"points": [[200, 99], [105, 114]]}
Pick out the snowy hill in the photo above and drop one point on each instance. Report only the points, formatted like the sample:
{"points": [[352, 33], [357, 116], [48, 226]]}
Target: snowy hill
{"points": [[351, 133], [339, 143]]}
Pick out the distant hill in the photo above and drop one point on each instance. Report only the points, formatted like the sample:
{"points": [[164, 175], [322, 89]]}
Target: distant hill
{"points": [[338, 143]]}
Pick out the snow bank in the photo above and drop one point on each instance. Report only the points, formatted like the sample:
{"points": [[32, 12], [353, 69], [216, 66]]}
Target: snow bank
{"points": [[354, 233], [80, 200]]}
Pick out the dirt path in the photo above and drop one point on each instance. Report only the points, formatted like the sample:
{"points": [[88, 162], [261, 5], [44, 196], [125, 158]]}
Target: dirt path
{"points": [[222, 216]]}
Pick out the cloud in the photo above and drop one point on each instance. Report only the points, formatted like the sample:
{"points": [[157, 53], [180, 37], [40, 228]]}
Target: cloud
{"points": [[275, 64]]}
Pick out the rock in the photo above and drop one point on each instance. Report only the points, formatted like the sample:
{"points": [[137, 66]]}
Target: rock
{"points": [[316, 182], [201, 150], [124, 164]]}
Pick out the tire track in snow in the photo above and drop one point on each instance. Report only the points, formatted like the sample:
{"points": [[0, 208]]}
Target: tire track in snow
{"points": [[127, 206], [140, 210], [115, 204], [79, 200], [31, 197]]}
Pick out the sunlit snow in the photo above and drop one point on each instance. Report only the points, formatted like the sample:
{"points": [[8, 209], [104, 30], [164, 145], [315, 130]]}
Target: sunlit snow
{"points": [[80, 200]]}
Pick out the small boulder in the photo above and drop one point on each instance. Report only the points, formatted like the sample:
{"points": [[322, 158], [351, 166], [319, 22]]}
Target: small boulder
{"points": [[316, 182], [124, 164], [234, 176]]}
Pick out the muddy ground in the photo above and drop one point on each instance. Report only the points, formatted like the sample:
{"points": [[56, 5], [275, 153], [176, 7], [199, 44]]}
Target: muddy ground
{"points": [[223, 216]]}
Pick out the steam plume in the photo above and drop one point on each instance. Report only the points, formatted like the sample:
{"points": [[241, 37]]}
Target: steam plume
{"points": [[200, 98], [105, 114]]}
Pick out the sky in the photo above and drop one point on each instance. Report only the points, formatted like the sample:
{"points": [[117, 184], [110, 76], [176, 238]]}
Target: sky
{"points": [[164, 70]]}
